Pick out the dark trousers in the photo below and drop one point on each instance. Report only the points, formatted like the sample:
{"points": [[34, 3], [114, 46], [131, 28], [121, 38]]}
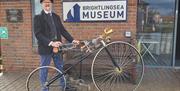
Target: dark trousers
{"points": [[45, 61]]}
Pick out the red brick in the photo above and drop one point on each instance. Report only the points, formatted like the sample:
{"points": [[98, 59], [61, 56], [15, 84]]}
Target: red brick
{"points": [[18, 51]]}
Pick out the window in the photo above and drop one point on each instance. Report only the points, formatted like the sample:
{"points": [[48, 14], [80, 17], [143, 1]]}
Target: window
{"points": [[36, 9], [157, 18]]}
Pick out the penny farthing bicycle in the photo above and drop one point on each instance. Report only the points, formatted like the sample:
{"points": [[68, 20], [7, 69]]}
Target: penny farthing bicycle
{"points": [[116, 66]]}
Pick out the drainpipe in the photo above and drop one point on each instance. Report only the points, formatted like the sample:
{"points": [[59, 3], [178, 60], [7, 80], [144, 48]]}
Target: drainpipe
{"points": [[1, 64], [1, 67]]}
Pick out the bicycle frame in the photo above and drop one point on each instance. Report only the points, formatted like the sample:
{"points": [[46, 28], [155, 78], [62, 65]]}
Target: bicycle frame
{"points": [[122, 64], [81, 60]]}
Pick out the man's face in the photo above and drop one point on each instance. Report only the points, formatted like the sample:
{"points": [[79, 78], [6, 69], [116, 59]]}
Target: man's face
{"points": [[47, 5]]}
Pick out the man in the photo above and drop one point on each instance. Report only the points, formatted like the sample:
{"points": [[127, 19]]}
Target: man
{"points": [[48, 30]]}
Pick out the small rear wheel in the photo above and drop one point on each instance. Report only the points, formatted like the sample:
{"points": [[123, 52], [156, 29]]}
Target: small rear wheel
{"points": [[35, 82]]}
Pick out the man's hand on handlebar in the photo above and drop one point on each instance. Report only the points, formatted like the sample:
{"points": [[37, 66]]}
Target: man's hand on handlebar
{"points": [[56, 44], [76, 42]]}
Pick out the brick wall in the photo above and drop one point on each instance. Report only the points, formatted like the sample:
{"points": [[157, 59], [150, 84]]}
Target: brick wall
{"points": [[18, 52]]}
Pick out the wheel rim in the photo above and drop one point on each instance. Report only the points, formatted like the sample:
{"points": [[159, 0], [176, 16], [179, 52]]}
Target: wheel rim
{"points": [[33, 81], [110, 78]]}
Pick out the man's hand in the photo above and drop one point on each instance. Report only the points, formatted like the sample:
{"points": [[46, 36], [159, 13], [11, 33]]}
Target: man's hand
{"points": [[76, 42], [56, 44]]}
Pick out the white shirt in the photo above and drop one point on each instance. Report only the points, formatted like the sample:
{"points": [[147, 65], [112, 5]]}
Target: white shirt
{"points": [[48, 12]]}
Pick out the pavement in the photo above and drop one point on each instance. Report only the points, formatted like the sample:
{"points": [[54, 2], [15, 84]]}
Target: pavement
{"points": [[155, 79]]}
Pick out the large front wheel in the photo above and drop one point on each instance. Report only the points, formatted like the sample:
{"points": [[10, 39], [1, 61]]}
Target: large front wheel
{"points": [[121, 69]]}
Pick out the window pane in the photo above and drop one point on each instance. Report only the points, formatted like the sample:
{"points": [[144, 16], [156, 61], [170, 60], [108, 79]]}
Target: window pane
{"points": [[155, 31], [36, 10], [38, 7]]}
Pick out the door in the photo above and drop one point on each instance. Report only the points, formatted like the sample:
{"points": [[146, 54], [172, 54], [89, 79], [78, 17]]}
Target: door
{"points": [[177, 57]]}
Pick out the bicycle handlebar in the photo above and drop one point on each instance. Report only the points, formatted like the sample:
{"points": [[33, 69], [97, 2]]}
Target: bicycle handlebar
{"points": [[88, 46]]}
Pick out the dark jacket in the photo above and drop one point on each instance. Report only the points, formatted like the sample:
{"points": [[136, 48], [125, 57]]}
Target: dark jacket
{"points": [[42, 32]]}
